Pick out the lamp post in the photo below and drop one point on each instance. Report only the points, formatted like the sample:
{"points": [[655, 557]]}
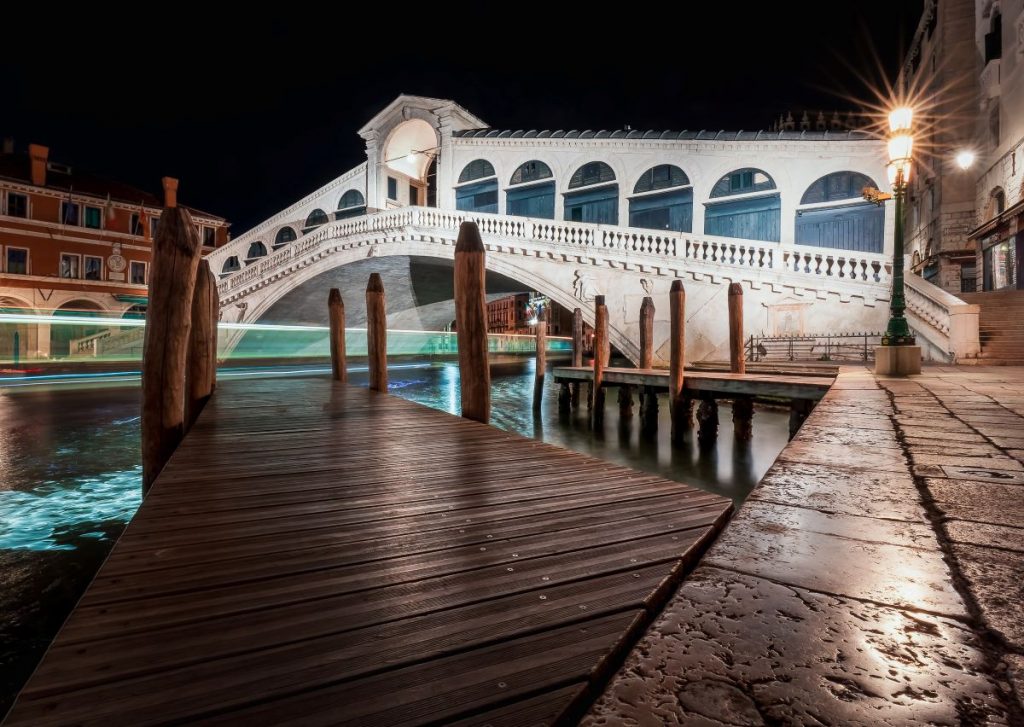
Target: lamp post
{"points": [[901, 144]]}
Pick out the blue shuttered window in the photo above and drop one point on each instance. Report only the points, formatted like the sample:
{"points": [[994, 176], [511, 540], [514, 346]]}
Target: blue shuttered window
{"points": [[480, 197], [668, 211], [859, 227], [599, 205], [536, 200], [749, 219]]}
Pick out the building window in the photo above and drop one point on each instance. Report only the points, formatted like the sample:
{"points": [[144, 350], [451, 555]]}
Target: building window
{"points": [[230, 265], [93, 267], [93, 217], [154, 222], [69, 213], [591, 173], [209, 236], [256, 249], [663, 176], [994, 39], [17, 260], [998, 202], [478, 169], [482, 194], [137, 273], [748, 217], [840, 218], [316, 218], [392, 188], [414, 194], [284, 236], [600, 203], [70, 265], [17, 205], [531, 172], [135, 226], [351, 204], [528, 194], [671, 208]]}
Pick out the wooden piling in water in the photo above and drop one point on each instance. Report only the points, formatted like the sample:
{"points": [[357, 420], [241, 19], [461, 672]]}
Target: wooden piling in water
{"points": [[201, 371], [625, 401], [600, 362], [542, 360], [172, 279], [377, 333], [743, 418], [471, 323], [707, 422], [336, 315], [737, 361], [647, 333], [577, 353], [677, 358]]}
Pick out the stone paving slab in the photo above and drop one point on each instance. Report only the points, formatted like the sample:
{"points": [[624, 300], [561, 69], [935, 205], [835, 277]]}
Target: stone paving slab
{"points": [[829, 599], [733, 649]]}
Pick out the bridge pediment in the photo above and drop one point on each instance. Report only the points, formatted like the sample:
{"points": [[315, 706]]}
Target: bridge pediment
{"points": [[406, 107]]}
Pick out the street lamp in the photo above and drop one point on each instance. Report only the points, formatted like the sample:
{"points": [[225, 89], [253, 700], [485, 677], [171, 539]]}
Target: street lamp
{"points": [[901, 147]]}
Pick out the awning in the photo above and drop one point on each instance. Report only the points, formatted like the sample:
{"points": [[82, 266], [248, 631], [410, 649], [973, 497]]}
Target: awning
{"points": [[133, 299], [1002, 218]]}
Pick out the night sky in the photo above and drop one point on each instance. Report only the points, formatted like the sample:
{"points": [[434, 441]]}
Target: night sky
{"points": [[254, 113]]}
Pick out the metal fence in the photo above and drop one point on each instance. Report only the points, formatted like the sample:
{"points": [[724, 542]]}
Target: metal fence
{"points": [[814, 347]]}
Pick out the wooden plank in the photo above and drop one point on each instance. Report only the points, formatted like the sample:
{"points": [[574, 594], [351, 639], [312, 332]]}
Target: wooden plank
{"points": [[430, 559]]}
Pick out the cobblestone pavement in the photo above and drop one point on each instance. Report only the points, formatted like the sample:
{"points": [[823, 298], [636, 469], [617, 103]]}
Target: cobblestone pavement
{"points": [[874, 577]]}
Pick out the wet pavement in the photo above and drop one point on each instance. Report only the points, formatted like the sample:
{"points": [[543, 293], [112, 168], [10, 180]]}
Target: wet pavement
{"points": [[872, 578]]}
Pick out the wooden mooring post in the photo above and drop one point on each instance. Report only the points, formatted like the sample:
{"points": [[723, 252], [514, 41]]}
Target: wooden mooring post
{"points": [[377, 333], [172, 279], [677, 359], [707, 422], [542, 360], [600, 362], [471, 323], [648, 396], [577, 353], [201, 371], [336, 316], [742, 406]]}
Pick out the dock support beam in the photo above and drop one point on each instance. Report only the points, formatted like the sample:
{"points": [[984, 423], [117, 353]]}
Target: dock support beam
{"points": [[600, 362], [625, 401], [201, 374], [377, 333], [677, 358], [172, 280], [743, 418], [707, 422], [542, 360], [737, 361], [471, 324], [336, 313], [799, 410]]}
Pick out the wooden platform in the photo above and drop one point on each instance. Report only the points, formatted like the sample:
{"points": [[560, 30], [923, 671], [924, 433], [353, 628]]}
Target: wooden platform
{"points": [[785, 386], [320, 554]]}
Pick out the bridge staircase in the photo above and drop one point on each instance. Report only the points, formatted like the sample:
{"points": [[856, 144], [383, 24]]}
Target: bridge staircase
{"points": [[1001, 326]]}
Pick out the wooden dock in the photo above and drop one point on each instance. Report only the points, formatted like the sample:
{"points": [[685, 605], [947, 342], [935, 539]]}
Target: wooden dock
{"points": [[720, 383], [317, 553]]}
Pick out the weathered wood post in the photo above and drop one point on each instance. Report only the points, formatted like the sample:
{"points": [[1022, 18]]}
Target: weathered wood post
{"points": [[201, 372], [172, 280], [542, 360], [648, 396], [625, 401], [737, 362], [600, 337], [377, 333], [577, 351], [471, 323], [742, 406], [677, 358], [336, 313], [707, 422]]}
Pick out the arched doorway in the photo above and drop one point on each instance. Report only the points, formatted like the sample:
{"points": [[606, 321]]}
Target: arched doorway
{"points": [[15, 336], [408, 158], [62, 334]]}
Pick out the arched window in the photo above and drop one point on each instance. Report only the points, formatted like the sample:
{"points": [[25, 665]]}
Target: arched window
{"points": [[284, 236], [663, 200], [230, 265], [256, 249], [597, 198], [478, 169], [840, 217], [529, 193], [745, 206], [998, 201], [316, 218], [351, 204], [474, 195]]}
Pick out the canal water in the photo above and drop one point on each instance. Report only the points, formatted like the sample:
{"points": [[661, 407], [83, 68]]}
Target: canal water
{"points": [[70, 475]]}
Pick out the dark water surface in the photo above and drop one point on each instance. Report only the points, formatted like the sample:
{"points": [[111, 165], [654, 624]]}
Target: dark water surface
{"points": [[70, 475]]}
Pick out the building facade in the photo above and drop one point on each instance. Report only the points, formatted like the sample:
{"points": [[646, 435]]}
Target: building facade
{"points": [[517, 314], [999, 190], [74, 243]]}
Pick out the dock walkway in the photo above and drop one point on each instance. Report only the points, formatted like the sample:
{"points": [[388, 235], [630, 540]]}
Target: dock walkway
{"points": [[321, 554], [782, 385]]}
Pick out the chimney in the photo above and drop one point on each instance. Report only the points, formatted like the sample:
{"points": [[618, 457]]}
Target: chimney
{"points": [[8, 145], [170, 192], [38, 154]]}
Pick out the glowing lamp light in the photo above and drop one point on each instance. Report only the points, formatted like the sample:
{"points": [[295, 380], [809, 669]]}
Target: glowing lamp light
{"points": [[900, 147], [900, 119], [965, 159], [533, 321], [899, 172], [411, 157]]}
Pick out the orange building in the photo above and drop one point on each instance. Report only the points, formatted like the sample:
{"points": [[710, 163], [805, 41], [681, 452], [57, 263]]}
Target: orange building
{"points": [[72, 242], [514, 314]]}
